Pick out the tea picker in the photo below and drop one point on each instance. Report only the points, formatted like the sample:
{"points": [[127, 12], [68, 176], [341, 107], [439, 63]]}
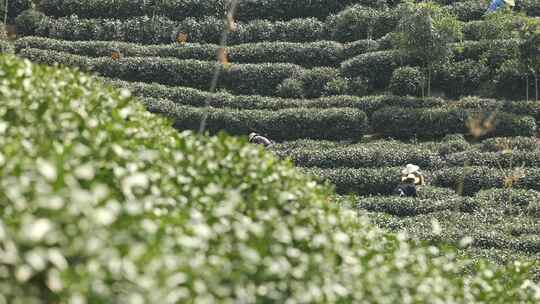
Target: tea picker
{"points": [[257, 139], [498, 4], [410, 178]]}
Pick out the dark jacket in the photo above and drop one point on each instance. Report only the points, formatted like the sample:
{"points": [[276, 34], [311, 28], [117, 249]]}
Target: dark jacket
{"points": [[406, 189]]}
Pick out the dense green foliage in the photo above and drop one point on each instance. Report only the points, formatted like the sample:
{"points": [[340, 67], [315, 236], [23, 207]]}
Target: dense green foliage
{"points": [[112, 205], [315, 77], [14, 8]]}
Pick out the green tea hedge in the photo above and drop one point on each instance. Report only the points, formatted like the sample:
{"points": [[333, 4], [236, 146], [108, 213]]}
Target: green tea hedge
{"points": [[239, 78], [436, 122], [180, 9], [322, 53], [363, 181], [159, 29], [14, 8], [473, 179], [286, 124], [105, 203], [362, 157], [404, 206], [505, 159], [197, 98], [208, 29]]}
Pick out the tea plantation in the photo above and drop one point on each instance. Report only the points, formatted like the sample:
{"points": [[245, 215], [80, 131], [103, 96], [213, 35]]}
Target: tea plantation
{"points": [[350, 91]]}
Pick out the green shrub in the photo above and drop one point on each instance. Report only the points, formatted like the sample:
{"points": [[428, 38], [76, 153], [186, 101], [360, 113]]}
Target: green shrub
{"points": [[497, 144], [473, 179], [29, 22], [377, 67], [178, 9], [14, 9], [241, 78], [198, 98], [363, 181], [510, 81], [436, 122], [362, 157], [388, 42], [323, 53], [161, 29], [453, 143], [359, 22], [105, 203], [530, 7], [359, 47], [468, 10], [505, 159], [407, 81], [504, 202], [286, 124], [460, 78], [313, 83], [404, 206]]}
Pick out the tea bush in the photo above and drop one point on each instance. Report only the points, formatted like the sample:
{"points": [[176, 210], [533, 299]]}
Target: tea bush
{"points": [[246, 10], [436, 122], [407, 81], [286, 124], [106, 203], [321, 53], [239, 78], [363, 157], [404, 206], [14, 8]]}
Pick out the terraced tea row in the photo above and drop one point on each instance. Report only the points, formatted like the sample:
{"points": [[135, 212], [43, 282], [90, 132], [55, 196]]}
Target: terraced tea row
{"points": [[468, 180], [495, 218], [353, 24], [250, 10], [455, 78], [314, 54]]}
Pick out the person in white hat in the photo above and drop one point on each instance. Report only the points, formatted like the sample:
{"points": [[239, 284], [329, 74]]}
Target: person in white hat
{"points": [[412, 172], [410, 178], [257, 139]]}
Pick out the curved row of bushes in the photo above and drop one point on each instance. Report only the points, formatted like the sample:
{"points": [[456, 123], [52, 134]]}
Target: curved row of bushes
{"points": [[476, 65], [466, 230], [313, 54], [404, 123], [248, 10], [477, 68], [391, 116], [497, 203], [505, 159], [195, 97], [428, 156], [180, 9], [352, 24], [361, 157], [259, 79], [468, 181], [159, 29], [287, 124], [403, 207]]}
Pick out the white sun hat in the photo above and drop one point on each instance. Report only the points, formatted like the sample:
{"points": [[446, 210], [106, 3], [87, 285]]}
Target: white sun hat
{"points": [[251, 135], [510, 2], [410, 169]]}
